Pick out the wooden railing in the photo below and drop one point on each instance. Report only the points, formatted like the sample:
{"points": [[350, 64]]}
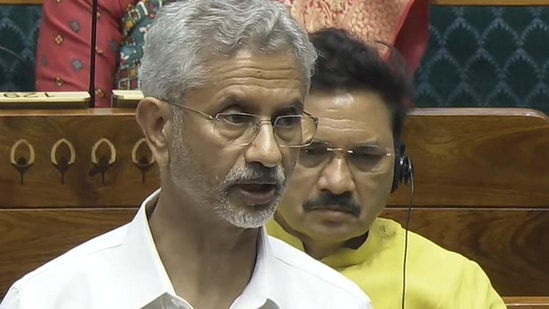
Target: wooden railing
{"points": [[527, 302]]}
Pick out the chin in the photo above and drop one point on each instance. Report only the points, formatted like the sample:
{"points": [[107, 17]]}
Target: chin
{"points": [[247, 217], [333, 231]]}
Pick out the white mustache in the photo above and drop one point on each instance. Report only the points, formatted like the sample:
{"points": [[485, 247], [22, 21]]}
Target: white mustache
{"points": [[255, 175]]}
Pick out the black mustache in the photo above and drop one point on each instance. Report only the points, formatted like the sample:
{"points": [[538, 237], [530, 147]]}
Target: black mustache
{"points": [[342, 202]]}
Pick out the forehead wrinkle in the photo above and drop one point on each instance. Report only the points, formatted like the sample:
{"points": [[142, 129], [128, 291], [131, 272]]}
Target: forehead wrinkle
{"points": [[339, 123], [253, 63], [256, 68], [342, 132], [245, 81], [239, 93], [291, 78], [241, 87]]}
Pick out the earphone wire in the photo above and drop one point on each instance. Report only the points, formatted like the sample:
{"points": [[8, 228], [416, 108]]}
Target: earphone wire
{"points": [[407, 225]]}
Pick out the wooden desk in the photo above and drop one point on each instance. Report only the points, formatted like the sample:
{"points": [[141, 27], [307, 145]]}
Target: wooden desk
{"points": [[527, 302]]}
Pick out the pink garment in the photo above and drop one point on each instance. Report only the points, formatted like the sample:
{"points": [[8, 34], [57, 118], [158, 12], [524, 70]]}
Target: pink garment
{"points": [[402, 23], [64, 41], [63, 52]]}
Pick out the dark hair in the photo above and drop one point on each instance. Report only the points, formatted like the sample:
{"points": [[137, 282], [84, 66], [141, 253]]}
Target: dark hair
{"points": [[346, 63]]}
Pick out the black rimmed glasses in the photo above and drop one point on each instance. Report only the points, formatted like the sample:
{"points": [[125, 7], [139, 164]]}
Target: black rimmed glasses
{"points": [[366, 158], [242, 128]]}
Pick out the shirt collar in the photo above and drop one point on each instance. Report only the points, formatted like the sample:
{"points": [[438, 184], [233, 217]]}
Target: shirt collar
{"points": [[259, 290], [342, 257], [141, 253]]}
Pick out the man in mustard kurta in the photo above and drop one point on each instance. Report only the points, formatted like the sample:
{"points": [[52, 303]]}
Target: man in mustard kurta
{"points": [[343, 181]]}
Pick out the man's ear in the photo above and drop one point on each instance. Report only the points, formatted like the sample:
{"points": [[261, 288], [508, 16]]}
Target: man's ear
{"points": [[153, 116]]}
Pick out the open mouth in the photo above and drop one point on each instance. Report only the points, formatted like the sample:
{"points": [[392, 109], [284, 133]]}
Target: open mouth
{"points": [[257, 193]]}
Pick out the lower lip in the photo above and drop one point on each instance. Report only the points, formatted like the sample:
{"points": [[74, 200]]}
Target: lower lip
{"points": [[257, 198], [333, 214]]}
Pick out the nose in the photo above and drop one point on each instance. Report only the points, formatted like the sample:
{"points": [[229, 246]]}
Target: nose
{"points": [[264, 149], [336, 177]]}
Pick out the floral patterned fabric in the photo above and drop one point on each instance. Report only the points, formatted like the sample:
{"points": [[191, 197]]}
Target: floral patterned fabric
{"points": [[477, 56], [63, 48], [391, 21], [135, 24], [122, 26], [402, 23]]}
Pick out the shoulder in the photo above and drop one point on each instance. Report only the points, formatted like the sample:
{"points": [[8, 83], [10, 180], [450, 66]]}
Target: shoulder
{"points": [[313, 275], [425, 258], [84, 258], [419, 247], [429, 263]]}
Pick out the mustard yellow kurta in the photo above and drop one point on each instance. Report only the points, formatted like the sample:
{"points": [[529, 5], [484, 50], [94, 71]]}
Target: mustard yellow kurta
{"points": [[436, 277]]}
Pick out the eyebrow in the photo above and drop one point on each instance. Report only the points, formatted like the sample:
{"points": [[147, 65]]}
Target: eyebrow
{"points": [[233, 100], [297, 105], [372, 142]]}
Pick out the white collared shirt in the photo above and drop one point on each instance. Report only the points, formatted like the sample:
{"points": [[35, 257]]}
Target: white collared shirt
{"points": [[122, 270]]}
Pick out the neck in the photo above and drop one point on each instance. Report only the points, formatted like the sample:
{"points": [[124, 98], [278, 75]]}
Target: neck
{"points": [[200, 251], [319, 250], [320, 247]]}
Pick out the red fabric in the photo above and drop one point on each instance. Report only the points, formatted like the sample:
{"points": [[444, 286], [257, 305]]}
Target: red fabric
{"points": [[63, 52], [412, 37], [402, 23]]}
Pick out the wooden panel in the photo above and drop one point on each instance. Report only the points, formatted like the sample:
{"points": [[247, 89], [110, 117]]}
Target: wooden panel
{"points": [[511, 245], [44, 100], [33, 237], [126, 98], [527, 302], [492, 2], [462, 157], [80, 157], [481, 157]]}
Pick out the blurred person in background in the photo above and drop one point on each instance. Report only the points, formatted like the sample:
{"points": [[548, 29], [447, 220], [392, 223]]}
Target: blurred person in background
{"points": [[63, 49]]}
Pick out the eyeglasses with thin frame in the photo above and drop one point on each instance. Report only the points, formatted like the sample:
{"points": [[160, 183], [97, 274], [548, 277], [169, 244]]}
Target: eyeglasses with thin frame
{"points": [[367, 158], [241, 128]]}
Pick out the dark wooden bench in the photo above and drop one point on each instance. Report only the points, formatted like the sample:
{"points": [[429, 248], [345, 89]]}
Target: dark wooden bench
{"points": [[531, 302]]}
